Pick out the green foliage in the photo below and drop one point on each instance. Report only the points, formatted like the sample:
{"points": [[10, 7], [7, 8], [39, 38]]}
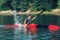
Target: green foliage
{"points": [[6, 5], [58, 3], [14, 4], [2, 2], [23, 5], [41, 4]]}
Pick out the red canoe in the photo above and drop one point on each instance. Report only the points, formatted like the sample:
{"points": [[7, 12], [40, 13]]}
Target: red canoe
{"points": [[53, 28], [33, 26], [10, 26]]}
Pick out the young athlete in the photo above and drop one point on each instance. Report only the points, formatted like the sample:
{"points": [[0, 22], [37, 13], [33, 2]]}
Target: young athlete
{"points": [[27, 21]]}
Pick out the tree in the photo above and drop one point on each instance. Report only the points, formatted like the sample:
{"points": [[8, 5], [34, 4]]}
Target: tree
{"points": [[1, 3], [47, 4], [58, 3], [23, 5], [6, 5]]}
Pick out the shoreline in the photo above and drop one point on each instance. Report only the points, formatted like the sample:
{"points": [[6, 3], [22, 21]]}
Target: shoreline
{"points": [[53, 12]]}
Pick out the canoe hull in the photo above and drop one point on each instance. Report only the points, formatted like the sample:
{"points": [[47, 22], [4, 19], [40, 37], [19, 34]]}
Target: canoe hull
{"points": [[33, 26]]}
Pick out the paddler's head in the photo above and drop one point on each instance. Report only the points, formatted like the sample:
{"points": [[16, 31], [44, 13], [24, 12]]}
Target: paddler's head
{"points": [[29, 16]]}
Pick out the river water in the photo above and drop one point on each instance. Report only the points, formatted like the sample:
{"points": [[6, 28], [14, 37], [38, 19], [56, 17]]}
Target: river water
{"points": [[40, 34]]}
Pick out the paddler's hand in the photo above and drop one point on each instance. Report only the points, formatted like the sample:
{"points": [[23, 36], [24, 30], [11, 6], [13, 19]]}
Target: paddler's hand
{"points": [[33, 18], [25, 25]]}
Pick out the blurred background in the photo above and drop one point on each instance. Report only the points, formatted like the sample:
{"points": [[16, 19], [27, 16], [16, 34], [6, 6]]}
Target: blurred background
{"points": [[51, 15]]}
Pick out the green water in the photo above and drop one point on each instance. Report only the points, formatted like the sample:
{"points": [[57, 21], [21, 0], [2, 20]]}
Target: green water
{"points": [[41, 34], [42, 19]]}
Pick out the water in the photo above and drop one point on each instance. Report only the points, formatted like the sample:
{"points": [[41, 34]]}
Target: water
{"points": [[17, 19], [40, 34], [18, 33]]}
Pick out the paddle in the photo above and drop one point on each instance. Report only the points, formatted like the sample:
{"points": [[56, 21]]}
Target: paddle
{"points": [[36, 16]]}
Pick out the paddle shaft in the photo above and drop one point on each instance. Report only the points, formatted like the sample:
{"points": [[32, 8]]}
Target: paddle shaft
{"points": [[35, 16]]}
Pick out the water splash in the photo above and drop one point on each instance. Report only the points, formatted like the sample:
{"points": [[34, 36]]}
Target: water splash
{"points": [[17, 22], [16, 17], [19, 31]]}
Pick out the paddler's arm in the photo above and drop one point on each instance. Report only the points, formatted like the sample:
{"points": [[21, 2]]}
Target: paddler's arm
{"points": [[25, 25], [33, 18], [24, 21]]}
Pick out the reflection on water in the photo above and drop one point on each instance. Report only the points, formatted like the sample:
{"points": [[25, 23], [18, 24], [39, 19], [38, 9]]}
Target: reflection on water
{"points": [[40, 34]]}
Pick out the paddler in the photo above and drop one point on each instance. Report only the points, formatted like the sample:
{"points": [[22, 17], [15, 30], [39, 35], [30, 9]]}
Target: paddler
{"points": [[26, 22]]}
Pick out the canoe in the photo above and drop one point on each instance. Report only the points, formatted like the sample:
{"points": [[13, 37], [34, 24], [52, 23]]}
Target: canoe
{"points": [[33, 26]]}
